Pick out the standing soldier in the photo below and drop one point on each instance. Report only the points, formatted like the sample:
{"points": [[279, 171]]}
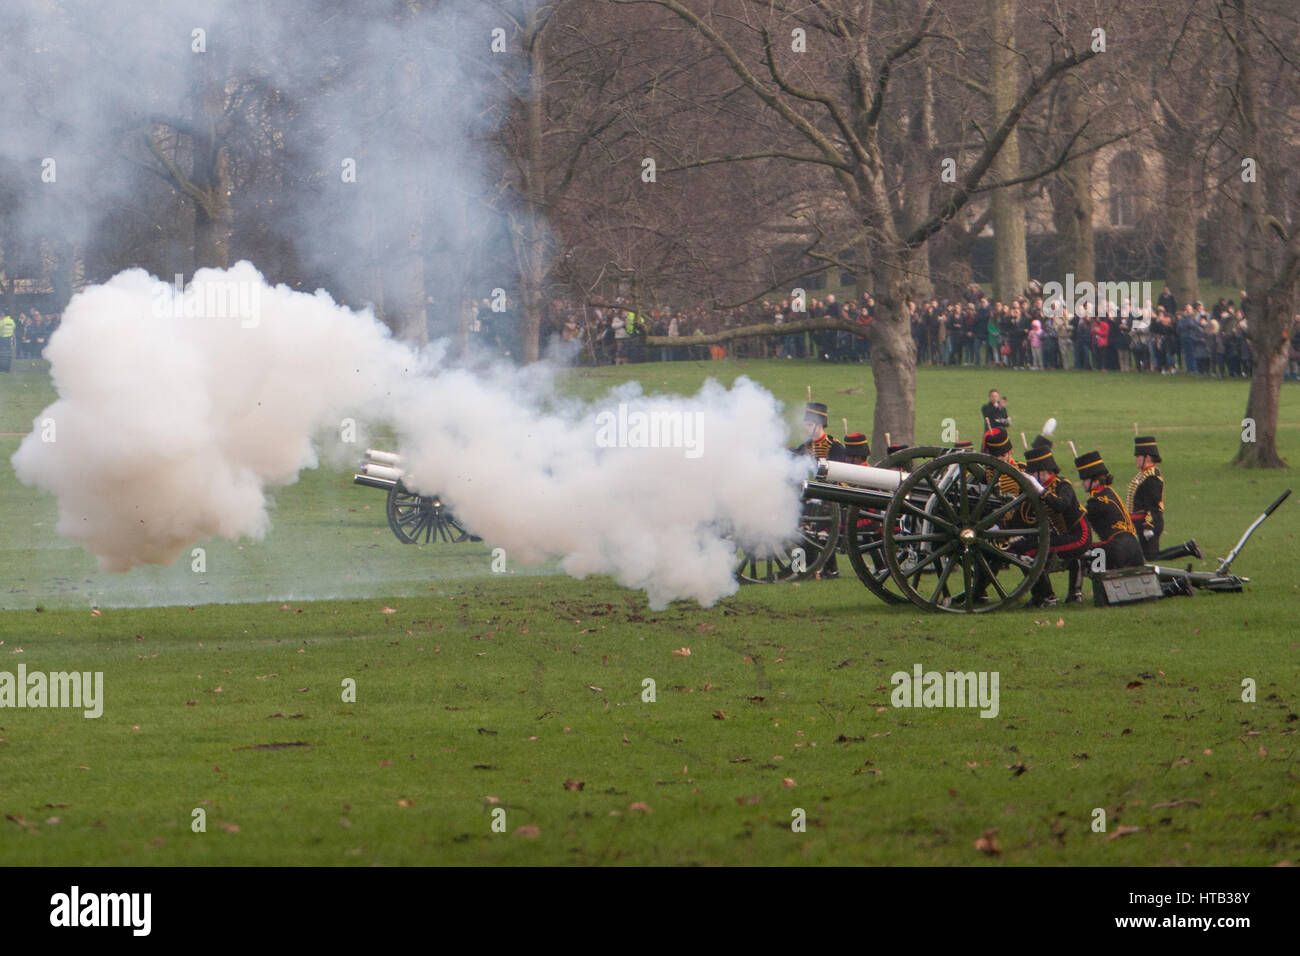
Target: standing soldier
{"points": [[1107, 515], [819, 444], [1146, 504]]}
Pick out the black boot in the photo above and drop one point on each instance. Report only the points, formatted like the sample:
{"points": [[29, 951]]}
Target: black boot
{"points": [[1188, 549], [1076, 583]]}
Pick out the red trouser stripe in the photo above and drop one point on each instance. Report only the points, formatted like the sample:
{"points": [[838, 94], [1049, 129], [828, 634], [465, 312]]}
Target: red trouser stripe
{"points": [[1078, 542]]}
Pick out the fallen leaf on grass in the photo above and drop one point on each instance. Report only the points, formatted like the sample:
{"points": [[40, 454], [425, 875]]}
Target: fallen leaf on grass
{"points": [[682, 652], [1132, 684], [749, 801], [1125, 831], [95, 612], [403, 802], [385, 763], [640, 807], [528, 830], [388, 610], [230, 827], [988, 844], [574, 784], [788, 783], [719, 715], [1189, 802]]}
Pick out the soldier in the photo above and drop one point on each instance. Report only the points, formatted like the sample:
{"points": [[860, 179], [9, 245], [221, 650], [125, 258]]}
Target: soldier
{"points": [[1106, 514], [1146, 504], [998, 444], [856, 448], [1071, 536], [819, 444]]}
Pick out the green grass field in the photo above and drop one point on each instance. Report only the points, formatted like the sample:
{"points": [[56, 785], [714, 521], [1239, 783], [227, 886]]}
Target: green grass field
{"points": [[479, 692]]}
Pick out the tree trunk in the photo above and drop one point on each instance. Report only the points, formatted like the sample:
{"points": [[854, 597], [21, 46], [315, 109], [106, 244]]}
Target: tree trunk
{"points": [[893, 358], [1072, 205], [916, 201], [1269, 307], [405, 309], [213, 216], [1010, 264], [530, 240], [1181, 270], [1227, 258]]}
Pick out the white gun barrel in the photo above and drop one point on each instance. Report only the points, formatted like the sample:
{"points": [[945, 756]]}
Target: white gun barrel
{"points": [[382, 471], [862, 476], [383, 457]]}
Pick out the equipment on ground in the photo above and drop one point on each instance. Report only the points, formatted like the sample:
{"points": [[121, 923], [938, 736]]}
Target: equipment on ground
{"points": [[411, 515]]}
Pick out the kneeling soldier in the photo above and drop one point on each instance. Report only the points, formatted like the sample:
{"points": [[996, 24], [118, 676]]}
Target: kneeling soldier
{"points": [[1107, 515], [1146, 504], [1071, 537]]}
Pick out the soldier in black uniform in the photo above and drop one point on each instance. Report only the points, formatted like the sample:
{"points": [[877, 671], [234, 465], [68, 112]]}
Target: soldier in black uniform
{"points": [[998, 444], [856, 448], [1146, 504], [819, 443], [1107, 516], [1071, 536]]}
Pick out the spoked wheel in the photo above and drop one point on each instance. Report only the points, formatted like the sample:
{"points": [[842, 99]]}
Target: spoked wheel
{"points": [[800, 558], [949, 534], [863, 534], [413, 516]]}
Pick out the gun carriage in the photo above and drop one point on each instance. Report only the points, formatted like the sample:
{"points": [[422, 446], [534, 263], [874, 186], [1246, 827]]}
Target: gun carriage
{"points": [[411, 515]]}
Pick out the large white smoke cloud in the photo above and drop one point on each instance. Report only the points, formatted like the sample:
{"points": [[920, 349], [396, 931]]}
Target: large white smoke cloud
{"points": [[171, 428]]}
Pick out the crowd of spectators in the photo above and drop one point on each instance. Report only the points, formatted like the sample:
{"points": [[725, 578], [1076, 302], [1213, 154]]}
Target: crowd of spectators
{"points": [[1029, 332], [1108, 337], [28, 333]]}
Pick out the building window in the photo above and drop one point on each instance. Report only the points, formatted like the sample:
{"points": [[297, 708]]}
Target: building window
{"points": [[1125, 170]]}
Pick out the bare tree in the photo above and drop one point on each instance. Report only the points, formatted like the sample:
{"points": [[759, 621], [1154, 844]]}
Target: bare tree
{"points": [[838, 113], [1271, 213]]}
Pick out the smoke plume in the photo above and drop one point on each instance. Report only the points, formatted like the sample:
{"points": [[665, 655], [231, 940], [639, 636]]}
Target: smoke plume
{"points": [[179, 412]]}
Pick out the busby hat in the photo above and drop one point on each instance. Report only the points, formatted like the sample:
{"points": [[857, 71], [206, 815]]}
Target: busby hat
{"points": [[815, 412], [856, 445], [1090, 465], [997, 441], [963, 445], [1039, 458], [1146, 445], [896, 448]]}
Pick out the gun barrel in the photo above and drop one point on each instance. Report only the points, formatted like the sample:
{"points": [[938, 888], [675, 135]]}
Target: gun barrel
{"points": [[874, 498], [382, 483], [382, 471], [383, 457], [860, 476]]}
